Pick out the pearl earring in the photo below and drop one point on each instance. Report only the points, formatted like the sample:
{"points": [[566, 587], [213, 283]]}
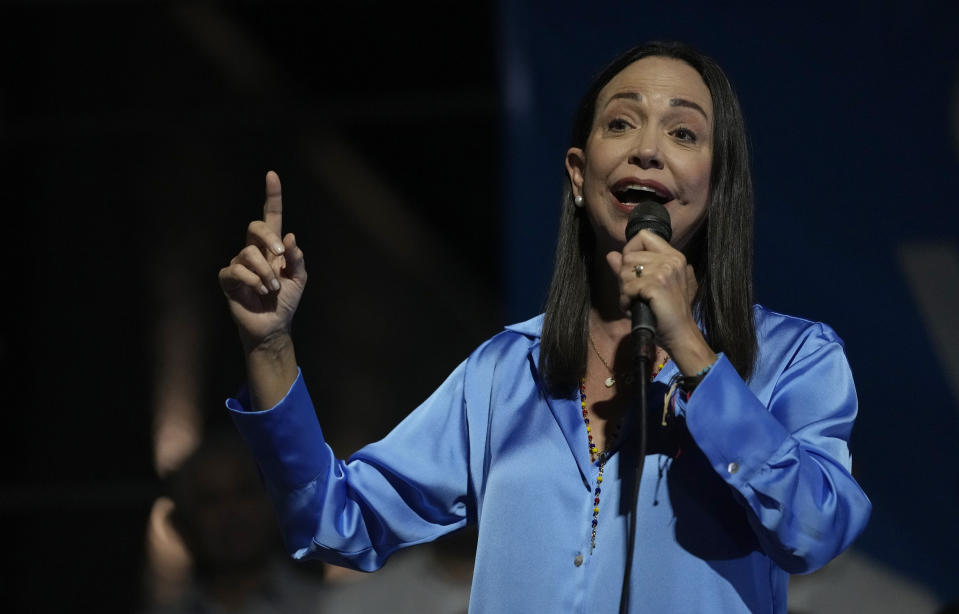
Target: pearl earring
{"points": [[578, 200]]}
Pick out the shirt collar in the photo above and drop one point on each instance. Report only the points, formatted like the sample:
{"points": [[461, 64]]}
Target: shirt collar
{"points": [[532, 328]]}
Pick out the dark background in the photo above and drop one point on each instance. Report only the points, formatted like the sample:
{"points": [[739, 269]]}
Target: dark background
{"points": [[135, 139], [420, 147]]}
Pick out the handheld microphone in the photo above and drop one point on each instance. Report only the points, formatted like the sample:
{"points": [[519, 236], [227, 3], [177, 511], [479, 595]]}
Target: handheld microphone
{"points": [[651, 215]]}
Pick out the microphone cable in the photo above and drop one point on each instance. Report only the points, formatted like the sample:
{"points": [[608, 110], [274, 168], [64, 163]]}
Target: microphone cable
{"points": [[638, 431]]}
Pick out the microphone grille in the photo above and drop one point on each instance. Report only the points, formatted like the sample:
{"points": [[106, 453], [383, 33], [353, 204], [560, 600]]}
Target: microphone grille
{"points": [[651, 215]]}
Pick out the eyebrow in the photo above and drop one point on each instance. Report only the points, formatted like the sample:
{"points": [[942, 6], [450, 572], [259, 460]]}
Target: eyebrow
{"points": [[673, 102]]}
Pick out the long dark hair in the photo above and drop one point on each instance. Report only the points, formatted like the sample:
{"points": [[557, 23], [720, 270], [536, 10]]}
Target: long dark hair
{"points": [[720, 252]]}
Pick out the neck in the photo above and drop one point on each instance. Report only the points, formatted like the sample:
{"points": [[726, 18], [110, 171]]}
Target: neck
{"points": [[606, 318]]}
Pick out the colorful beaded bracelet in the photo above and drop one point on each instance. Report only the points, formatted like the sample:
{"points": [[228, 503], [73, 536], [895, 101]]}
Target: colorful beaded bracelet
{"points": [[688, 383]]}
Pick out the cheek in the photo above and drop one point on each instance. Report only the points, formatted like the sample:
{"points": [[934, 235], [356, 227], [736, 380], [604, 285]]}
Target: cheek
{"points": [[699, 181], [595, 170], [602, 159], [696, 195]]}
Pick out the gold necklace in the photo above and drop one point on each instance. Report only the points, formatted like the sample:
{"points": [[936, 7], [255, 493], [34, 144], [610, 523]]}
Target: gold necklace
{"points": [[611, 381]]}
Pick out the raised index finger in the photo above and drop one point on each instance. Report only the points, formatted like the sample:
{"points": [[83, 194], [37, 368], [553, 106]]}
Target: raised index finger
{"points": [[273, 207]]}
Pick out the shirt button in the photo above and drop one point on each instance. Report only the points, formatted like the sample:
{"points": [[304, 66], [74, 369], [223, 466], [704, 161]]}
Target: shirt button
{"points": [[732, 467], [578, 560]]}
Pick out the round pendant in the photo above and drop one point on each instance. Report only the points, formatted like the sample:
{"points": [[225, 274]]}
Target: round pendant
{"points": [[610, 382]]}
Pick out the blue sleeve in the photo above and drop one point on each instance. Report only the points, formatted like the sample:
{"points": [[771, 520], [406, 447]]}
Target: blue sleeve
{"points": [[408, 488], [787, 458]]}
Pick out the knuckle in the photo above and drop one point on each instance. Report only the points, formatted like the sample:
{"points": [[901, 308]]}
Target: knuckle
{"points": [[250, 253]]}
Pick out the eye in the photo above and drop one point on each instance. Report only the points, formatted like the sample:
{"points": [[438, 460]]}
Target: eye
{"points": [[684, 134], [617, 124]]}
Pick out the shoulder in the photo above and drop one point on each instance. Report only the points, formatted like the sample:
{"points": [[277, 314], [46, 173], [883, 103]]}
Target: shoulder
{"points": [[513, 346], [774, 326], [520, 338], [785, 339], [531, 329]]}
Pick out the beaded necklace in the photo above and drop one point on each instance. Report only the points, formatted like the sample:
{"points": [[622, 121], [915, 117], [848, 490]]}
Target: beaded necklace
{"points": [[595, 454], [660, 366]]}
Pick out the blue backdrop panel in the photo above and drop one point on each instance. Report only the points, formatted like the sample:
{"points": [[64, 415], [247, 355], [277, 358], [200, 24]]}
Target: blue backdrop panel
{"points": [[850, 111]]}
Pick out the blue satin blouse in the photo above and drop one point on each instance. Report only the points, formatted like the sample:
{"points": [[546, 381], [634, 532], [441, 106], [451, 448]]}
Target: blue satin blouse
{"points": [[756, 484]]}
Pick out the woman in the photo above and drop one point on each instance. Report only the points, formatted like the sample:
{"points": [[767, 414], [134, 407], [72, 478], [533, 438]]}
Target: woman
{"points": [[750, 411]]}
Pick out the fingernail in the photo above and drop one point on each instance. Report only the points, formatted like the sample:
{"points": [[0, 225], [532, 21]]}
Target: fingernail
{"points": [[275, 284], [278, 248], [262, 289]]}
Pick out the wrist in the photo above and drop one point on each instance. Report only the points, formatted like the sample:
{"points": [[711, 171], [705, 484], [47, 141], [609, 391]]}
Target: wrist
{"points": [[271, 370], [688, 383], [691, 353], [273, 346]]}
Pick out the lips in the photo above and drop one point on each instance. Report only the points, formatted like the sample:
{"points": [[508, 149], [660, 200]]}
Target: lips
{"points": [[631, 190]]}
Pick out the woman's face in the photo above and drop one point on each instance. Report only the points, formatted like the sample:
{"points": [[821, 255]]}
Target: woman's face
{"points": [[652, 132]]}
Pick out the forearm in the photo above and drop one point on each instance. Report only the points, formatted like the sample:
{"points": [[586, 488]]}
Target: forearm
{"points": [[271, 369], [690, 351], [788, 461], [393, 493]]}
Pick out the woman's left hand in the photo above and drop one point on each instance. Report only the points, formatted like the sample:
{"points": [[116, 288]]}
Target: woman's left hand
{"points": [[667, 283]]}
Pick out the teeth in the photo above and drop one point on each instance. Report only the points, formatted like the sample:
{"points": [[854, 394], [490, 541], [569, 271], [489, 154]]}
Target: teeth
{"points": [[631, 190]]}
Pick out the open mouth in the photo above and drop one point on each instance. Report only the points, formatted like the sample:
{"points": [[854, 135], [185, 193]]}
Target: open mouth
{"points": [[634, 193]]}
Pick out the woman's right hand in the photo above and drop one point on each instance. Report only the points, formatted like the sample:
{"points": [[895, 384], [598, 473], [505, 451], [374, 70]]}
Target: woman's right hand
{"points": [[264, 282]]}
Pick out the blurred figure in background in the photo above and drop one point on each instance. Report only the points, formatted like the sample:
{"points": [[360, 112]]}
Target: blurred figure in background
{"points": [[432, 578], [856, 582], [227, 526]]}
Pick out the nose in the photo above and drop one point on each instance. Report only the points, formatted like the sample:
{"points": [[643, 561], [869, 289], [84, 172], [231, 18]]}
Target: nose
{"points": [[645, 153]]}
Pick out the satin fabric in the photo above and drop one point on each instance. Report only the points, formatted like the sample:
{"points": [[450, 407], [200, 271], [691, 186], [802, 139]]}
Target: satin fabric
{"points": [[758, 486]]}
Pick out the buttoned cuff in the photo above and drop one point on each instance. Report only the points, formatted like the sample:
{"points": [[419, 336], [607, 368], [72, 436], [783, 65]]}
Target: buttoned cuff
{"points": [[286, 439], [733, 429]]}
